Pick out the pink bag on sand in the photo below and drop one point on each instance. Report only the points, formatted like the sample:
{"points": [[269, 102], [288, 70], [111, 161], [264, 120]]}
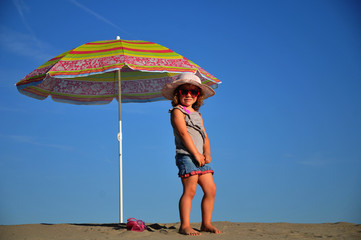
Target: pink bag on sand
{"points": [[136, 225]]}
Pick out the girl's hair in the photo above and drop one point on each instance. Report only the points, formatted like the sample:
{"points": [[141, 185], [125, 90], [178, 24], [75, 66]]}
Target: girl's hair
{"points": [[195, 106]]}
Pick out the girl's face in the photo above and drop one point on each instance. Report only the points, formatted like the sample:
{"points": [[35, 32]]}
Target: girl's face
{"points": [[188, 94]]}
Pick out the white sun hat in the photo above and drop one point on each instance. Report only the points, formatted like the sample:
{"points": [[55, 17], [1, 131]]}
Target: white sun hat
{"points": [[186, 78]]}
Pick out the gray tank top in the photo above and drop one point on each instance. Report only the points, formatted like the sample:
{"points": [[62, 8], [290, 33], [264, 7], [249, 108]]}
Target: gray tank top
{"points": [[195, 129]]}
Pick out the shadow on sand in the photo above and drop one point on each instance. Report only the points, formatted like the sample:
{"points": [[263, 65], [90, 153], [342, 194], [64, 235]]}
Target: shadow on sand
{"points": [[119, 226]]}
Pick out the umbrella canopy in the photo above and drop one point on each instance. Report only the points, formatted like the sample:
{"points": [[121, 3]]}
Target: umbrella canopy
{"points": [[98, 72], [88, 73]]}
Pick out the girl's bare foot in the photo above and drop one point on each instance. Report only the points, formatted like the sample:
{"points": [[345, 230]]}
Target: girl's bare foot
{"points": [[189, 231], [210, 228]]}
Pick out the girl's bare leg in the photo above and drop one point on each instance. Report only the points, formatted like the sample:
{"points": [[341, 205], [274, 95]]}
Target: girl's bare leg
{"points": [[209, 188], [185, 205]]}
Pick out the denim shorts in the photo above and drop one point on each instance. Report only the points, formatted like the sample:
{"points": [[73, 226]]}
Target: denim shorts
{"points": [[188, 166]]}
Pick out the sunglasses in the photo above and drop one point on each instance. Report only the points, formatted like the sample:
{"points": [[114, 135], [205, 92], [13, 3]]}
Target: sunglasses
{"points": [[194, 92]]}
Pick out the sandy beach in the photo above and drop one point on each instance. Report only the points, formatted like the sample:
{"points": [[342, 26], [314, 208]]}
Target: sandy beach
{"points": [[231, 230]]}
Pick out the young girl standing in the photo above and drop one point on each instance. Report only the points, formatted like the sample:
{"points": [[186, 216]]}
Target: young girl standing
{"points": [[193, 153]]}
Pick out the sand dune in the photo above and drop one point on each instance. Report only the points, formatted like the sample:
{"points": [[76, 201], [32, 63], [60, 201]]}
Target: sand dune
{"points": [[231, 230]]}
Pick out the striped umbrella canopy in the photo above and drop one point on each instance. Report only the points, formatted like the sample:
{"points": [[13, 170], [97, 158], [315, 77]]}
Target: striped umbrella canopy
{"points": [[98, 72], [88, 74]]}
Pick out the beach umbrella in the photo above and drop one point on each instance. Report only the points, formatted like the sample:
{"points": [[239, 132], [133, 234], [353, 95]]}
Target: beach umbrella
{"points": [[97, 72]]}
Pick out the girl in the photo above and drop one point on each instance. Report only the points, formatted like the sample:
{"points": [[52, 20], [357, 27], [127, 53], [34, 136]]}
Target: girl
{"points": [[193, 153]]}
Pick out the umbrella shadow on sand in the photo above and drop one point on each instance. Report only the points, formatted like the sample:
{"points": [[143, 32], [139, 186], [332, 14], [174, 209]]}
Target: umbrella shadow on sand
{"points": [[123, 226], [115, 226]]}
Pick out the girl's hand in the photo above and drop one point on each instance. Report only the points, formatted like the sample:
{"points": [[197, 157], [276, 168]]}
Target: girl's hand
{"points": [[200, 159], [207, 158]]}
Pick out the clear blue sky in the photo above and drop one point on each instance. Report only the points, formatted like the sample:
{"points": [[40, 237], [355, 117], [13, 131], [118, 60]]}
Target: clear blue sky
{"points": [[285, 124]]}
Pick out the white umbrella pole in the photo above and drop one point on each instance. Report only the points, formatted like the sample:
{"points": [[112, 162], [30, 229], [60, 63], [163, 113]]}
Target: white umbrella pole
{"points": [[120, 139]]}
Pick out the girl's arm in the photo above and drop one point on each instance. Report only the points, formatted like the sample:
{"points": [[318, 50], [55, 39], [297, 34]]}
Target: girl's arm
{"points": [[206, 146], [180, 125]]}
